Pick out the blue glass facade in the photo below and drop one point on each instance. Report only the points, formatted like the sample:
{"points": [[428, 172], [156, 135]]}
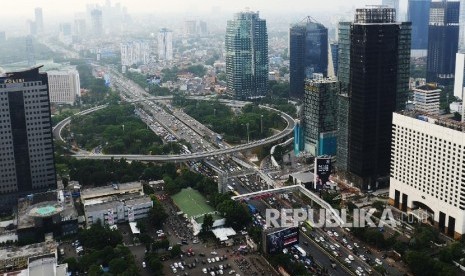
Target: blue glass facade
{"points": [[418, 14], [308, 54]]}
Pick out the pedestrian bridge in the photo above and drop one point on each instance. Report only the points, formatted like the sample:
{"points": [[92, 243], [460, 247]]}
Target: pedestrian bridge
{"points": [[301, 189]]}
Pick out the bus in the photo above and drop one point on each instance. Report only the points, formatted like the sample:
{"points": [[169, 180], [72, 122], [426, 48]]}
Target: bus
{"points": [[302, 252]]}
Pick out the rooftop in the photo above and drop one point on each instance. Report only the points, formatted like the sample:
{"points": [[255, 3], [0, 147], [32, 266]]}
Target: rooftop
{"points": [[36, 249], [113, 202], [115, 189], [43, 205], [428, 87], [439, 120]]}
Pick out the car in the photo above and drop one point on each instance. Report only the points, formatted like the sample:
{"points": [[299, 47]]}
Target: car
{"points": [[335, 253], [169, 248], [363, 257], [217, 259], [175, 270], [332, 247], [351, 257], [322, 239], [209, 260], [232, 271], [335, 234], [195, 241], [220, 272], [358, 273], [213, 253], [347, 260], [175, 265], [204, 270], [360, 269], [337, 246], [356, 245], [143, 264], [378, 261], [344, 240], [349, 247]]}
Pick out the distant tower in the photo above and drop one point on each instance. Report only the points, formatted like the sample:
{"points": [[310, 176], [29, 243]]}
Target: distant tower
{"points": [[39, 20], [247, 56], [308, 54], [418, 14], [97, 23], [443, 37], [31, 61], [165, 44]]}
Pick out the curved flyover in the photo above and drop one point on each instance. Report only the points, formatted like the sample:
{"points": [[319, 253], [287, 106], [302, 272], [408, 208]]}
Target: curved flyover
{"points": [[59, 127], [200, 155]]}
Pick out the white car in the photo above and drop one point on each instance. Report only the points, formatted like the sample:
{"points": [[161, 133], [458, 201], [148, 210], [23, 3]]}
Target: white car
{"points": [[329, 233], [217, 259], [351, 257], [175, 270], [209, 260], [175, 265], [335, 234], [359, 273], [332, 247], [356, 245], [360, 269], [213, 253], [349, 247], [378, 261], [347, 260], [363, 257], [204, 270], [143, 264]]}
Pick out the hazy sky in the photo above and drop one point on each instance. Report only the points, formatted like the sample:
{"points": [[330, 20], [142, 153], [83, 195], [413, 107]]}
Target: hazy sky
{"points": [[54, 7]]}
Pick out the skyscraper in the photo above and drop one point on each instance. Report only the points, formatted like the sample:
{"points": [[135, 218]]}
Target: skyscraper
{"points": [[165, 44], [246, 56], [27, 163], [96, 22], [308, 54], [443, 35], [374, 84], [418, 14], [39, 20], [320, 122], [393, 4]]}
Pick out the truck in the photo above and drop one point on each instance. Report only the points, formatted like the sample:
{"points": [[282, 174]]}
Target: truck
{"points": [[252, 208]]}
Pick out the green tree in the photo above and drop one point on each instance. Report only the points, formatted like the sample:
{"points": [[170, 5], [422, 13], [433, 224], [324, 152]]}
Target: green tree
{"points": [[117, 266], [207, 223], [175, 251]]}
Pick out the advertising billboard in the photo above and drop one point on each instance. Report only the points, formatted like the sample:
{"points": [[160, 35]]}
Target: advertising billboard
{"points": [[280, 239], [322, 171]]}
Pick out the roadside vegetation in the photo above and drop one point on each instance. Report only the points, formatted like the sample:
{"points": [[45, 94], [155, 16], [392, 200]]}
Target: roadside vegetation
{"points": [[118, 130], [221, 119]]}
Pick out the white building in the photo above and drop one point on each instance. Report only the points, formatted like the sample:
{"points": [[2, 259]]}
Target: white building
{"points": [[427, 175], [165, 44], [115, 203], [64, 86], [135, 52], [123, 209], [426, 98]]}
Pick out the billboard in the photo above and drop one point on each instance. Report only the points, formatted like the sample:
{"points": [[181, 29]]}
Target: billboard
{"points": [[276, 241], [322, 171]]}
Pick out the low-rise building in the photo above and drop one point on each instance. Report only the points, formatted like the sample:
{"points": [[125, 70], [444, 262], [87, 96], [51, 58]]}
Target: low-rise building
{"points": [[115, 203], [18, 258], [49, 212], [426, 98]]}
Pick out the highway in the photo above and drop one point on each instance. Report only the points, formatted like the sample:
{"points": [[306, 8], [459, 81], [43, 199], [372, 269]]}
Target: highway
{"points": [[59, 127], [199, 155]]}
